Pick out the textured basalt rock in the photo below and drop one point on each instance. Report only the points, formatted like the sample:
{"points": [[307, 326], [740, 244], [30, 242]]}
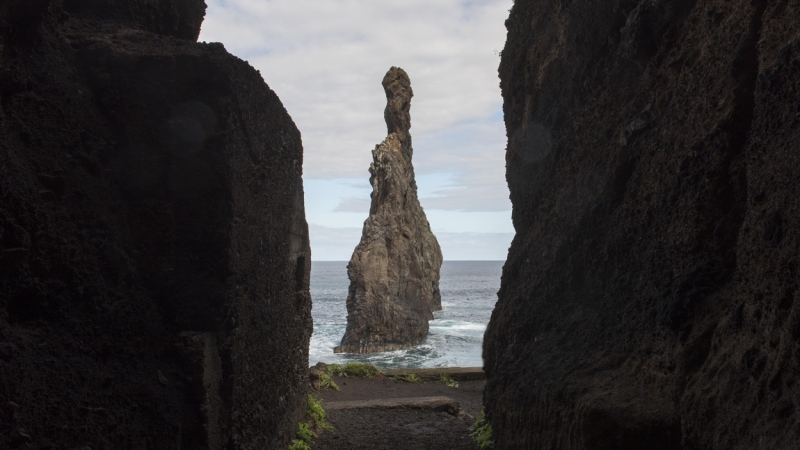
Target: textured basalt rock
{"points": [[153, 246], [394, 271], [650, 295]]}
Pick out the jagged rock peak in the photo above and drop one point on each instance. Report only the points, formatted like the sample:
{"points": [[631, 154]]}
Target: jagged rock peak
{"points": [[394, 271], [398, 101]]}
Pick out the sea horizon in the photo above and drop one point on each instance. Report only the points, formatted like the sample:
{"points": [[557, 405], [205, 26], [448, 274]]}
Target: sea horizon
{"points": [[446, 260]]}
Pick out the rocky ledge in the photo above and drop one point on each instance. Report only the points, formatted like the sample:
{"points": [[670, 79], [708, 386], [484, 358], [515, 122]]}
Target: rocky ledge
{"points": [[394, 271]]}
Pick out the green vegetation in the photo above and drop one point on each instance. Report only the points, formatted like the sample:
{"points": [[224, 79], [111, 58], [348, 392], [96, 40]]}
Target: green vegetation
{"points": [[448, 380], [410, 378], [304, 437], [354, 369], [304, 433], [316, 415], [481, 432], [326, 382], [307, 431], [297, 444]]}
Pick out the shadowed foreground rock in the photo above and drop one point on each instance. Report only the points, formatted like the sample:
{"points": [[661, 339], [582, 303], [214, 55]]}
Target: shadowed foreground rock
{"points": [[394, 271], [650, 297], [154, 255]]}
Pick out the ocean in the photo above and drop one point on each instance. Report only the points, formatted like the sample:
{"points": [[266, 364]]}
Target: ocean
{"points": [[469, 293]]}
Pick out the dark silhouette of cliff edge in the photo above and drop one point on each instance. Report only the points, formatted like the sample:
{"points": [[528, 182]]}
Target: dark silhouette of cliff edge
{"points": [[154, 258], [650, 297], [394, 270]]}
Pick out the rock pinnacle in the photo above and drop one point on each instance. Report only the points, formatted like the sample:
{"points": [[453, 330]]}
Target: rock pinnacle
{"points": [[394, 271]]}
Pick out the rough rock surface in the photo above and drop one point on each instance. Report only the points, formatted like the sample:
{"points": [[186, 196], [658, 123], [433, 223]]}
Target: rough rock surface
{"points": [[153, 246], [650, 297], [394, 271]]}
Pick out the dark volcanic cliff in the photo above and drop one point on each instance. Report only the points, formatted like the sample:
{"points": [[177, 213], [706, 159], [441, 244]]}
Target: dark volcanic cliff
{"points": [[153, 244], [394, 271], [650, 299]]}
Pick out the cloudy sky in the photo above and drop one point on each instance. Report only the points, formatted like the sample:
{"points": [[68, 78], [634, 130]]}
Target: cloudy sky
{"points": [[326, 58]]}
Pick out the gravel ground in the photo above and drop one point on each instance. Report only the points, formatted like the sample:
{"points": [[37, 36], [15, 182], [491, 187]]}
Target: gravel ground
{"points": [[399, 428]]}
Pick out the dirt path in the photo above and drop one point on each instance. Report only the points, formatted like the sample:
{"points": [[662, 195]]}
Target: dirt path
{"points": [[391, 415]]}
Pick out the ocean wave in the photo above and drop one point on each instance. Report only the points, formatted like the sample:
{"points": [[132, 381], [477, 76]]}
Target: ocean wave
{"points": [[456, 335], [455, 325]]}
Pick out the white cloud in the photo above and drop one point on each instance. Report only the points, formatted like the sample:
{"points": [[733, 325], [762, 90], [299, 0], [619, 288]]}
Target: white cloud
{"points": [[326, 58], [353, 204], [475, 246], [333, 244]]}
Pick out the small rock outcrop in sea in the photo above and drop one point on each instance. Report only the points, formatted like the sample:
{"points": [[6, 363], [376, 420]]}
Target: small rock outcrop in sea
{"points": [[394, 271]]}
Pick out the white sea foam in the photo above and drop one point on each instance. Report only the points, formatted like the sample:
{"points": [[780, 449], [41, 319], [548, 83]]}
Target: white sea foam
{"points": [[456, 335]]}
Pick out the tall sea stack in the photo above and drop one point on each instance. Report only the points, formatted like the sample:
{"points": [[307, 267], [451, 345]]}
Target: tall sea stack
{"points": [[651, 295], [394, 271]]}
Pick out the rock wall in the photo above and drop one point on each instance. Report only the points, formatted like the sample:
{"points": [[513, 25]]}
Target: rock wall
{"points": [[394, 271], [154, 249], [650, 295]]}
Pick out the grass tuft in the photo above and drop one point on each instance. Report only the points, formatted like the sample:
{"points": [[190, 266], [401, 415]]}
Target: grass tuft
{"points": [[317, 421], [481, 432], [448, 380], [354, 369], [304, 437], [410, 378], [326, 382], [304, 433], [316, 414], [297, 444]]}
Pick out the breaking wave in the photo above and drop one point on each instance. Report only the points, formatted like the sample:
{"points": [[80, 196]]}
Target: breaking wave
{"points": [[469, 292]]}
